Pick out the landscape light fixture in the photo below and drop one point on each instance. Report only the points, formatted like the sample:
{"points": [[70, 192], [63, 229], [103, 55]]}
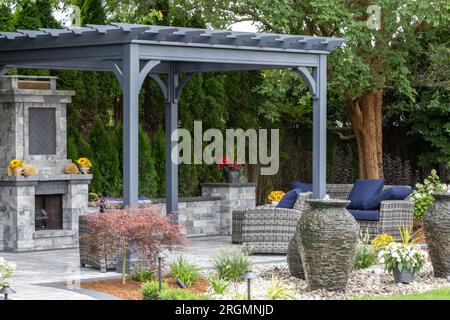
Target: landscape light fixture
{"points": [[249, 276], [6, 291], [160, 256]]}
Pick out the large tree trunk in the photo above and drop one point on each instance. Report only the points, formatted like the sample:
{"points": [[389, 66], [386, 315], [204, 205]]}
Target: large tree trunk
{"points": [[365, 114]]}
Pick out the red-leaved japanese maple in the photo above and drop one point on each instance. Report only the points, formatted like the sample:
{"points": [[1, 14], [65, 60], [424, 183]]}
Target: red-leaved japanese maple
{"points": [[116, 231]]}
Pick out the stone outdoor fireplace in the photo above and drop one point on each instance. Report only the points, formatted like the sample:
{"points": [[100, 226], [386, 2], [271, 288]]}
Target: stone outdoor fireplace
{"points": [[39, 212]]}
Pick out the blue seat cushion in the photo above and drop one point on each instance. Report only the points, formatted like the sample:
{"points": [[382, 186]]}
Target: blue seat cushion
{"points": [[362, 191], [289, 199], [306, 187], [392, 193], [367, 215]]}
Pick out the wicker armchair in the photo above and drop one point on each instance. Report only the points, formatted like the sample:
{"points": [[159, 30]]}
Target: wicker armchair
{"points": [[269, 230], [97, 261], [265, 229]]}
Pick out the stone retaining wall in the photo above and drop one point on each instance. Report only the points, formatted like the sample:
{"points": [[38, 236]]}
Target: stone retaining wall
{"points": [[210, 214]]}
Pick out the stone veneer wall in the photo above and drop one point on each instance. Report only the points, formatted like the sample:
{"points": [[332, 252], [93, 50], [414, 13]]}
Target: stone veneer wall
{"points": [[17, 206]]}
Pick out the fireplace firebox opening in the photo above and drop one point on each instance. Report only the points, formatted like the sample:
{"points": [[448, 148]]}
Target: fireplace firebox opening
{"points": [[49, 212]]}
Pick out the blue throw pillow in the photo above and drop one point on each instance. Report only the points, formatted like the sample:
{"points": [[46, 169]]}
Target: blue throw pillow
{"points": [[362, 191], [289, 199], [306, 187], [392, 193]]}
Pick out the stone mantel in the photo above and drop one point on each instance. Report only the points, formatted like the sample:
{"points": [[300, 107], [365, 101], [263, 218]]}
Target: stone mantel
{"points": [[34, 180]]}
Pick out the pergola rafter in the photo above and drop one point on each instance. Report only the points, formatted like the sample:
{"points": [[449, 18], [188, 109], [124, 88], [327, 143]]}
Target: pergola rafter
{"points": [[133, 52]]}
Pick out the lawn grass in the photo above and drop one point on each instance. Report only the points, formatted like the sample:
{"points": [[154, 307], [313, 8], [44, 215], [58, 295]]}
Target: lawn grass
{"points": [[436, 294]]}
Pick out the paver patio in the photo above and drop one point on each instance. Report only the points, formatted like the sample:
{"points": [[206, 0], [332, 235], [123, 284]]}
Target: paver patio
{"points": [[53, 274]]}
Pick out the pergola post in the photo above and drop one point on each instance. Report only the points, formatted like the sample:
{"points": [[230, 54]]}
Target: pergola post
{"points": [[320, 129], [171, 116], [130, 90]]}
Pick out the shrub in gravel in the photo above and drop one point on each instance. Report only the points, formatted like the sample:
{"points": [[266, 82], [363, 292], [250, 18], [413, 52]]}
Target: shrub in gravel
{"points": [[230, 264], [277, 290], [365, 256]]}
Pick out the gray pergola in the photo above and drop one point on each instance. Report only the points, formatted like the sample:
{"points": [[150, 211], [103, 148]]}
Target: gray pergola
{"points": [[134, 52]]}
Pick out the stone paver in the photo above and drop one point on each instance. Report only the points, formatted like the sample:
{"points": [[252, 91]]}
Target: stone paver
{"points": [[38, 271], [43, 267]]}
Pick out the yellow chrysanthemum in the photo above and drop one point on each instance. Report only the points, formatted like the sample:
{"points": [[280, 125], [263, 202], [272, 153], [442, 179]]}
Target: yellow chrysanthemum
{"points": [[15, 163], [84, 162], [275, 196]]}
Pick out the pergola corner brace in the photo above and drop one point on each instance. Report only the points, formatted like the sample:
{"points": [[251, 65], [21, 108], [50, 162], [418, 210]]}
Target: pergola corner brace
{"points": [[309, 80]]}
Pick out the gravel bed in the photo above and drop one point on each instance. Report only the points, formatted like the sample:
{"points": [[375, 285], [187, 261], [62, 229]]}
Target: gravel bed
{"points": [[373, 281]]}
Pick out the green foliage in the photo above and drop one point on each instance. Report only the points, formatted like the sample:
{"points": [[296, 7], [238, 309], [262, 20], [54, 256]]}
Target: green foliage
{"points": [[142, 273], [180, 294], [429, 119], [218, 285], [365, 255], [105, 162], [27, 16], [6, 17], [422, 197], [92, 11], [436, 294], [77, 146], [187, 272], [277, 290], [230, 264], [150, 291], [147, 173]]}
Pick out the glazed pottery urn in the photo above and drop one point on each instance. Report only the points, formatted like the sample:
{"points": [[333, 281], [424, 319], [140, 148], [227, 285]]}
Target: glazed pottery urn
{"points": [[328, 235], [436, 223]]}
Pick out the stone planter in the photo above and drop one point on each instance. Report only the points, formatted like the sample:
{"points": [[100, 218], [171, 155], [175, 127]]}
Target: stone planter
{"points": [[327, 241], [403, 276], [232, 176], [436, 222]]}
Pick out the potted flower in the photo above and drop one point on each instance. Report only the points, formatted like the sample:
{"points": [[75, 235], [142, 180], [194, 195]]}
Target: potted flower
{"points": [[230, 169], [275, 197], [404, 259], [84, 165]]}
